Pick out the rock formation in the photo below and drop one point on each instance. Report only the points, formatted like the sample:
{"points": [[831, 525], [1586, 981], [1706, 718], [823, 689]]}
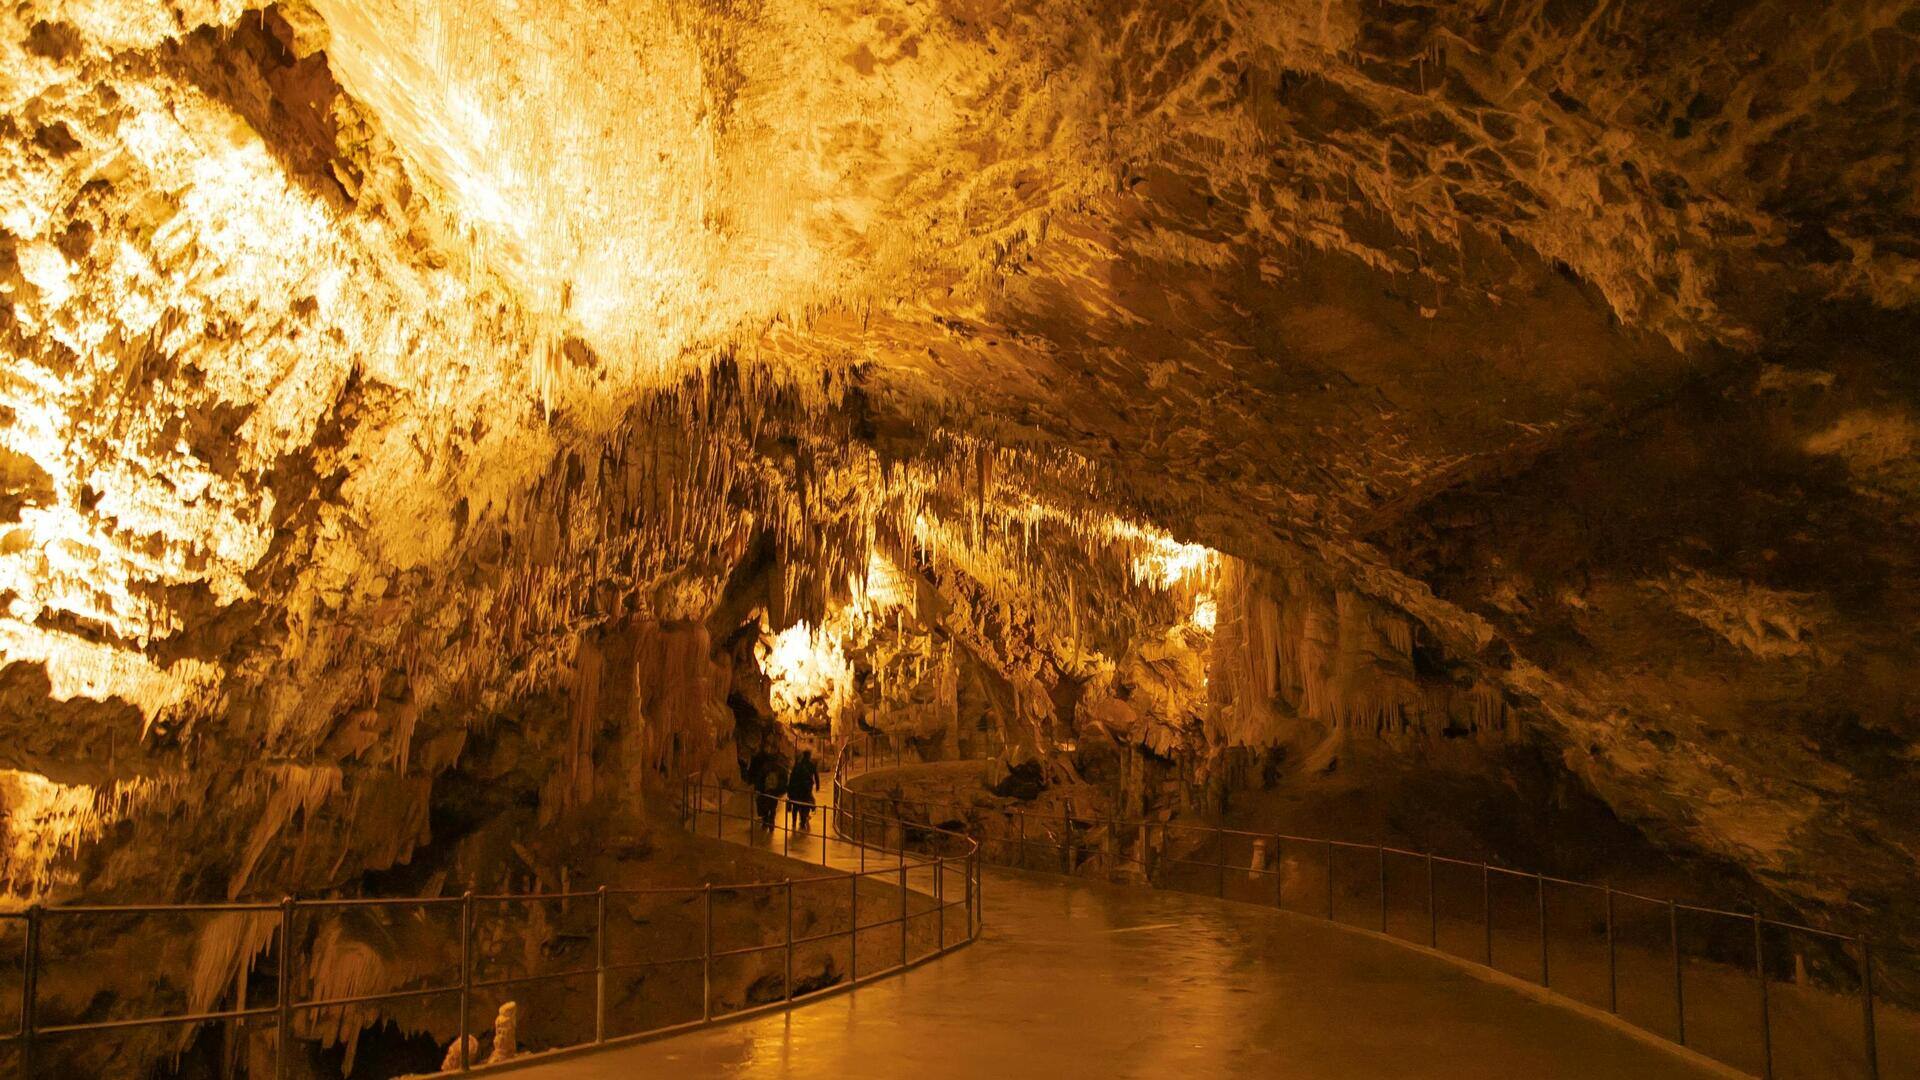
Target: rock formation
{"points": [[414, 416]]}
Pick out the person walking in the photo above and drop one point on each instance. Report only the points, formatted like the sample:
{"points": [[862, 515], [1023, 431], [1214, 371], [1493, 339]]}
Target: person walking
{"points": [[768, 786], [802, 782]]}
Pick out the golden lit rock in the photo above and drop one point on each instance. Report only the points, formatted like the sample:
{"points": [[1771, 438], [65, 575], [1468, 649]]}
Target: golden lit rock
{"points": [[430, 433]]}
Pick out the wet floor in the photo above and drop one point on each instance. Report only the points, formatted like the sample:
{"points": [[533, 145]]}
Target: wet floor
{"points": [[1080, 979]]}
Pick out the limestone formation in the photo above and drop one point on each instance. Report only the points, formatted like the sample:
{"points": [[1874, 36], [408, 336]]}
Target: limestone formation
{"points": [[506, 1045], [430, 428], [453, 1062]]}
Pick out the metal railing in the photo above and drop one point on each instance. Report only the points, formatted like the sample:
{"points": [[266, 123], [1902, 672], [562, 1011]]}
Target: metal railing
{"points": [[463, 985], [1671, 969]]}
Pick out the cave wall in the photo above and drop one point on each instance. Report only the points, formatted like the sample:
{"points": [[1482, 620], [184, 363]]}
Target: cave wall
{"points": [[376, 376], [1731, 576]]}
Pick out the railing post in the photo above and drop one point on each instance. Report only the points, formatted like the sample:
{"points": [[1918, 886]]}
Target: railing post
{"points": [[853, 928], [1066, 839], [940, 903], [29, 990], [600, 965], [1869, 1037], [972, 896], [1220, 862], [789, 982], [1329, 881], [1540, 892], [1613, 961], [1382, 849], [1277, 864], [903, 913], [1433, 908], [969, 901], [1486, 910], [979, 896], [283, 998], [1679, 980], [706, 952], [1760, 982], [466, 976]]}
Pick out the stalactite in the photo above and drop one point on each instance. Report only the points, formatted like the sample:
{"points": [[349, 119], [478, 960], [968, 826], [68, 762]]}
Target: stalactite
{"points": [[295, 789]]}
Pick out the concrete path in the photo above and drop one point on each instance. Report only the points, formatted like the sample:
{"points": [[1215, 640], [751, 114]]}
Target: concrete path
{"points": [[1079, 979]]}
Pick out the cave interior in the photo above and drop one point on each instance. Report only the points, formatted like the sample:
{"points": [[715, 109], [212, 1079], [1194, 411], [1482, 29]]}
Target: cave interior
{"points": [[432, 433]]}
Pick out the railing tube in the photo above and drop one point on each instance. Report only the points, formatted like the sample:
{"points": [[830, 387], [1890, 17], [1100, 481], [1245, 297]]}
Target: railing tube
{"points": [[789, 980], [1066, 839], [283, 995], [1679, 979], [1220, 862], [1433, 908], [706, 952], [600, 965], [1486, 911], [1540, 892], [1277, 863], [979, 896], [1760, 983], [1869, 1037], [1613, 961], [1329, 881], [29, 989], [466, 977], [903, 913], [1383, 887]]}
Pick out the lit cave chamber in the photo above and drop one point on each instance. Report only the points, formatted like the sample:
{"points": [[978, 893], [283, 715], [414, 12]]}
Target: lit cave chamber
{"points": [[1379, 508]]}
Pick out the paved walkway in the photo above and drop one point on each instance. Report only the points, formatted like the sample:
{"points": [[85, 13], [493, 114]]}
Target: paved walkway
{"points": [[1079, 979]]}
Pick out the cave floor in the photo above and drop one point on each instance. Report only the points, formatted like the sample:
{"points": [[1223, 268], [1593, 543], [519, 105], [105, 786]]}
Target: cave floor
{"points": [[1073, 978]]}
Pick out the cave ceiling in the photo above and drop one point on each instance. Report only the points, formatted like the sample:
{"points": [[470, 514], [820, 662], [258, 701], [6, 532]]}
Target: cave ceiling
{"points": [[318, 316]]}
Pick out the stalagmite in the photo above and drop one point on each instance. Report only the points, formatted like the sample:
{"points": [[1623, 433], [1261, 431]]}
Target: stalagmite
{"points": [[453, 1061], [506, 1034]]}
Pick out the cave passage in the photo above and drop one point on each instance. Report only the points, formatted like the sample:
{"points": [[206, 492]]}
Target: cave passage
{"points": [[1476, 440], [1074, 978]]}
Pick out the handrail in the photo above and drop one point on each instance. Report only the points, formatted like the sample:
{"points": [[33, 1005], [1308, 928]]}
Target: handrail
{"points": [[852, 826], [1069, 853]]}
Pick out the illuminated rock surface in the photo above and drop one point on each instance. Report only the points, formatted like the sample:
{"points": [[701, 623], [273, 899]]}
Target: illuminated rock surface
{"points": [[421, 419]]}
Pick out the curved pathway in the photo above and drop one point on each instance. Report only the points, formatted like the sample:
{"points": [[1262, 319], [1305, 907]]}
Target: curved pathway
{"points": [[1081, 979]]}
